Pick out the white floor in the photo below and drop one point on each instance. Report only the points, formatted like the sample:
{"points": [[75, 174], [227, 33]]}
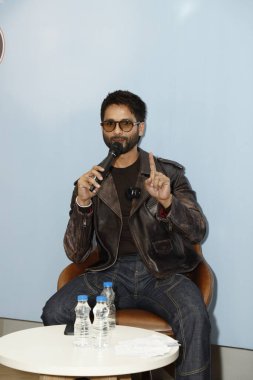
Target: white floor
{"points": [[11, 374]]}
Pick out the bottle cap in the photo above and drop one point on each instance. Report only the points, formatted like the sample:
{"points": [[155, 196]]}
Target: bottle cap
{"points": [[107, 284], [82, 297], [101, 298]]}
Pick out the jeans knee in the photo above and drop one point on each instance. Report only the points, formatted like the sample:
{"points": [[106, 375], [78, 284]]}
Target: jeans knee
{"points": [[51, 315], [47, 316]]}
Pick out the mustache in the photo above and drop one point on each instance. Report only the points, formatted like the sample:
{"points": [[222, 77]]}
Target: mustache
{"points": [[118, 139]]}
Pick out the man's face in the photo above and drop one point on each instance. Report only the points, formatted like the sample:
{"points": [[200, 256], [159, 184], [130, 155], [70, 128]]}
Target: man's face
{"points": [[127, 139]]}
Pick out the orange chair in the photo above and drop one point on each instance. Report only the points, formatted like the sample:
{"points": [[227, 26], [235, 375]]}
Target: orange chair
{"points": [[202, 276]]}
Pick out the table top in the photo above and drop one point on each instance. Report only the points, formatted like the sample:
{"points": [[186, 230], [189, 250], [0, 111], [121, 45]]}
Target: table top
{"points": [[46, 350]]}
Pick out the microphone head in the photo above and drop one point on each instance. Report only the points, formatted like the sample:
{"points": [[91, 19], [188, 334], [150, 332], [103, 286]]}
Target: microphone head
{"points": [[116, 149]]}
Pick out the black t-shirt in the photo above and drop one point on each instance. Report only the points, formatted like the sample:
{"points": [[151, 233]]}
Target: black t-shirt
{"points": [[124, 178]]}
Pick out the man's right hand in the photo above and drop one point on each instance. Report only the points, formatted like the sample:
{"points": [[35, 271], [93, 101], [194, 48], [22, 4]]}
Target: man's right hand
{"points": [[84, 183]]}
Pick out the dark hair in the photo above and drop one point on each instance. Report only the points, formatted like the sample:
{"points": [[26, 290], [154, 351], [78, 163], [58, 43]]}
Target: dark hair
{"points": [[132, 101]]}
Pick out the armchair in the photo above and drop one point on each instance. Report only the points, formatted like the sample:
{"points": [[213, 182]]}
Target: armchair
{"points": [[202, 276]]}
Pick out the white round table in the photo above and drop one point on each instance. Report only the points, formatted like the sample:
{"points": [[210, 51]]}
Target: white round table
{"points": [[50, 353]]}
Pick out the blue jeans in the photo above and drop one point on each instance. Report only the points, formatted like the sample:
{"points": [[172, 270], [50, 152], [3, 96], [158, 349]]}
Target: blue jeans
{"points": [[176, 299]]}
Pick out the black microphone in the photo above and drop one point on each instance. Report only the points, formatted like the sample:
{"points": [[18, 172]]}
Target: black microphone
{"points": [[114, 151]]}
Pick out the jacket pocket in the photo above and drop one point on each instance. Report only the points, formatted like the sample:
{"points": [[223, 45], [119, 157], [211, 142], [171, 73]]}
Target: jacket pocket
{"points": [[162, 247]]}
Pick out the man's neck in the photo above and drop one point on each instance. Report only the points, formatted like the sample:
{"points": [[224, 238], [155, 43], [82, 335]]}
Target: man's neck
{"points": [[127, 159]]}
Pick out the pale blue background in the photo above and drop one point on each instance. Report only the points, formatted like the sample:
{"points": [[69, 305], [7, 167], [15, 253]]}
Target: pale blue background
{"points": [[192, 63]]}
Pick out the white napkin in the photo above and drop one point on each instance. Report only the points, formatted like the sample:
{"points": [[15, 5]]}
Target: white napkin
{"points": [[146, 347]]}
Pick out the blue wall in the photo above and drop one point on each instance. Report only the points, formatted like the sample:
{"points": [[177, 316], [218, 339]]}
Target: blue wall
{"points": [[191, 61]]}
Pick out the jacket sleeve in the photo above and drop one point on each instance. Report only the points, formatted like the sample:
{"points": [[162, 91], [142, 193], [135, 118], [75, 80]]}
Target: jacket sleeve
{"points": [[185, 215], [79, 233]]}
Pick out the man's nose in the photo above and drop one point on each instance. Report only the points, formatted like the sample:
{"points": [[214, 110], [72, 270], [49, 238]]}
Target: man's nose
{"points": [[117, 129]]}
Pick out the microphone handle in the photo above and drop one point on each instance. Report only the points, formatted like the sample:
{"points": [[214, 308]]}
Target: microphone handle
{"points": [[106, 164]]}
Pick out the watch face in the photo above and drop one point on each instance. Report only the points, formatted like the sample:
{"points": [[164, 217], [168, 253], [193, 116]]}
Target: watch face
{"points": [[1, 45]]}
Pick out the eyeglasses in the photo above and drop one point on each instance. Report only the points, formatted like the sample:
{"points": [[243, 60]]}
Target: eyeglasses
{"points": [[125, 125]]}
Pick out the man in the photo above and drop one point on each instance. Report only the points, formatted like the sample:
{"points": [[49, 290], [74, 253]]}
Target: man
{"points": [[145, 218]]}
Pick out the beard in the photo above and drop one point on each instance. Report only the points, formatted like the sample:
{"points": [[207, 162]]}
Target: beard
{"points": [[127, 143]]}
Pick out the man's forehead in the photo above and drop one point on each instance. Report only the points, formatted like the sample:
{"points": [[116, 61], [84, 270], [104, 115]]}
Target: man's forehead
{"points": [[118, 109]]}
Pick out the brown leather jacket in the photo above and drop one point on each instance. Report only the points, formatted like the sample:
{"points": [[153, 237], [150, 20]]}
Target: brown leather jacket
{"points": [[164, 242]]}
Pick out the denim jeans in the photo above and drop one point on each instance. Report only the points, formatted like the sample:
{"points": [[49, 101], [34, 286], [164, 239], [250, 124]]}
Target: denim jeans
{"points": [[176, 299]]}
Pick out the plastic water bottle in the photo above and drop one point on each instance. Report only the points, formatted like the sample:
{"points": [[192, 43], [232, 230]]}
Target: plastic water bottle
{"points": [[82, 326], [110, 295], [100, 325]]}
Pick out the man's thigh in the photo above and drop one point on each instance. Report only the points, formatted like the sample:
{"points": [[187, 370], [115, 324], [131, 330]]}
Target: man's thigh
{"points": [[172, 298], [60, 308]]}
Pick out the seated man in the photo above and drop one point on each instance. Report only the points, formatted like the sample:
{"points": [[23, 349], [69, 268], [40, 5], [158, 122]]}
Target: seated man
{"points": [[145, 218]]}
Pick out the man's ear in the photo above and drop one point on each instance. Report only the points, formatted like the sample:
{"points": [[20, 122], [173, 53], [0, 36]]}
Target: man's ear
{"points": [[141, 128]]}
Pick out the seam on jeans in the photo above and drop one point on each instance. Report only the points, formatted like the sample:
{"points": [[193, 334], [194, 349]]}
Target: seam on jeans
{"points": [[180, 319], [136, 279], [170, 282], [181, 327], [184, 347], [196, 371], [136, 283], [90, 285]]}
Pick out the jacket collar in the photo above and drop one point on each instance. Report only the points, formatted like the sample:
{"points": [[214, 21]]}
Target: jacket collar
{"points": [[143, 175]]}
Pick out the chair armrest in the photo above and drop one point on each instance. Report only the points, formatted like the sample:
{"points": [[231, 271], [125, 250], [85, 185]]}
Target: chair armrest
{"points": [[202, 276]]}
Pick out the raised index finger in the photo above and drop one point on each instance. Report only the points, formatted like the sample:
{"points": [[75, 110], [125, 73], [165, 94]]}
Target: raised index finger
{"points": [[152, 166]]}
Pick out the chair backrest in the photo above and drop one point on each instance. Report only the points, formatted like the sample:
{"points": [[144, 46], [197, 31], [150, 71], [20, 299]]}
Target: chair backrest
{"points": [[202, 275], [73, 270]]}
